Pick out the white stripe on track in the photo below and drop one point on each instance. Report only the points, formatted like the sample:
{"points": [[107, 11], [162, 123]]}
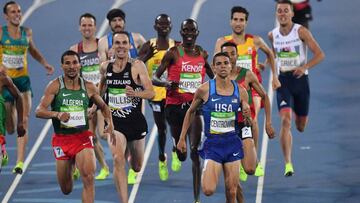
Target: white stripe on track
{"points": [[31, 155], [196, 9], [33, 7], [105, 23]]}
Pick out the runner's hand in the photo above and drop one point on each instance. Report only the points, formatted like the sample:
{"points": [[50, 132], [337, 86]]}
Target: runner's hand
{"points": [[130, 92], [172, 85], [49, 69], [91, 112], [21, 130], [63, 116], [109, 129], [270, 130], [275, 83], [299, 71], [181, 146]]}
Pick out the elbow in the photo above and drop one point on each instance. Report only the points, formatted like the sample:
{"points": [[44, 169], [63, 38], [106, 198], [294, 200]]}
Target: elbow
{"points": [[37, 113], [152, 94], [322, 56]]}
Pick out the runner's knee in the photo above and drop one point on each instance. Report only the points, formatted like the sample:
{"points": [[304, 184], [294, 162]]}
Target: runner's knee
{"points": [[208, 190], [194, 154], [66, 189]]}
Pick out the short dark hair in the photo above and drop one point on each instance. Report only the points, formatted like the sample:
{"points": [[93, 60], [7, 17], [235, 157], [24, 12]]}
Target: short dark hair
{"points": [[239, 9], [87, 15], [115, 12], [8, 4], [220, 54], [69, 53], [121, 32], [189, 20], [285, 2], [163, 15], [229, 44]]}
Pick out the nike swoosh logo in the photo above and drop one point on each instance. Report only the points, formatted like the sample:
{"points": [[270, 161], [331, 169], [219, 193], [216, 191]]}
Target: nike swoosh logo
{"points": [[212, 99], [65, 95], [82, 57], [85, 143], [186, 62], [235, 154]]}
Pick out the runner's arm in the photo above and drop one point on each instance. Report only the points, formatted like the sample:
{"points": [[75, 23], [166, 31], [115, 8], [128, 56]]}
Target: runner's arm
{"points": [[220, 41], [199, 96], [35, 53], [146, 52], [102, 49], [141, 72], [166, 62]]}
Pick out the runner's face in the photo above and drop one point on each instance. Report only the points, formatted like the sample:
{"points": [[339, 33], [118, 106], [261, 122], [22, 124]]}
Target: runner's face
{"points": [[238, 23], [284, 14], [222, 66], [232, 52], [71, 66], [189, 33], [87, 27], [163, 26], [117, 24], [121, 46], [13, 14]]}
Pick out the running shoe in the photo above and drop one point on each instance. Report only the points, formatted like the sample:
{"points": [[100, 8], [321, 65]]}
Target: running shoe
{"points": [[197, 201], [18, 169], [131, 177], [104, 173], [243, 175], [259, 171], [175, 162], [5, 159], [76, 174], [289, 170], [163, 170]]}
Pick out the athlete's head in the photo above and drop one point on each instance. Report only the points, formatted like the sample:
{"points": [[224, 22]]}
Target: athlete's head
{"points": [[121, 44], [221, 64], [87, 25], [239, 18], [116, 18], [12, 13], [70, 63], [163, 25], [231, 49], [189, 31], [284, 12]]}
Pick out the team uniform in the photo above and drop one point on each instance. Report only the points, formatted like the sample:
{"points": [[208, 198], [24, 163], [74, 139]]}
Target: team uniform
{"points": [[126, 111], [158, 102], [90, 64], [72, 136], [221, 142], [189, 73], [13, 55], [291, 53], [133, 53]]}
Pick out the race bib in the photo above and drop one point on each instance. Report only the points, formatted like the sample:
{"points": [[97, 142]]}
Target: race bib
{"points": [[244, 61], [288, 61], [13, 61], [77, 116], [222, 122], [91, 73], [189, 82], [58, 152], [246, 133], [118, 99]]}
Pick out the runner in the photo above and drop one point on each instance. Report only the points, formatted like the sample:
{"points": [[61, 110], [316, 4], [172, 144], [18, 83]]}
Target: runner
{"points": [[126, 83], [247, 47], [221, 99], [72, 142], [290, 42], [152, 52], [186, 66], [90, 71], [116, 18], [5, 81], [16, 41]]}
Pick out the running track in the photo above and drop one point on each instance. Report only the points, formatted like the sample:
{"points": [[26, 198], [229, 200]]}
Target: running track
{"points": [[326, 156]]}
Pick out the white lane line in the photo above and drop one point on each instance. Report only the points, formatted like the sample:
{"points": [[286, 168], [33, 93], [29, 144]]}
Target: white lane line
{"points": [[33, 7], [105, 23], [31, 155], [148, 149], [196, 9], [264, 147]]}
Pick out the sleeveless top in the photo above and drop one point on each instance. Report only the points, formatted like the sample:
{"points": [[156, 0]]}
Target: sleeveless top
{"points": [[220, 112], [13, 53], [152, 65], [189, 72], [74, 102], [90, 64], [122, 106], [290, 50]]}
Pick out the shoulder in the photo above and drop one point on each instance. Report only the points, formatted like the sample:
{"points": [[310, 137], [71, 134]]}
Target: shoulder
{"points": [[74, 47], [103, 40], [28, 31]]}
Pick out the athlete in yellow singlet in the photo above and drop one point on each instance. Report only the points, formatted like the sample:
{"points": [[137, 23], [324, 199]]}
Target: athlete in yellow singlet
{"points": [[152, 53], [15, 42]]}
